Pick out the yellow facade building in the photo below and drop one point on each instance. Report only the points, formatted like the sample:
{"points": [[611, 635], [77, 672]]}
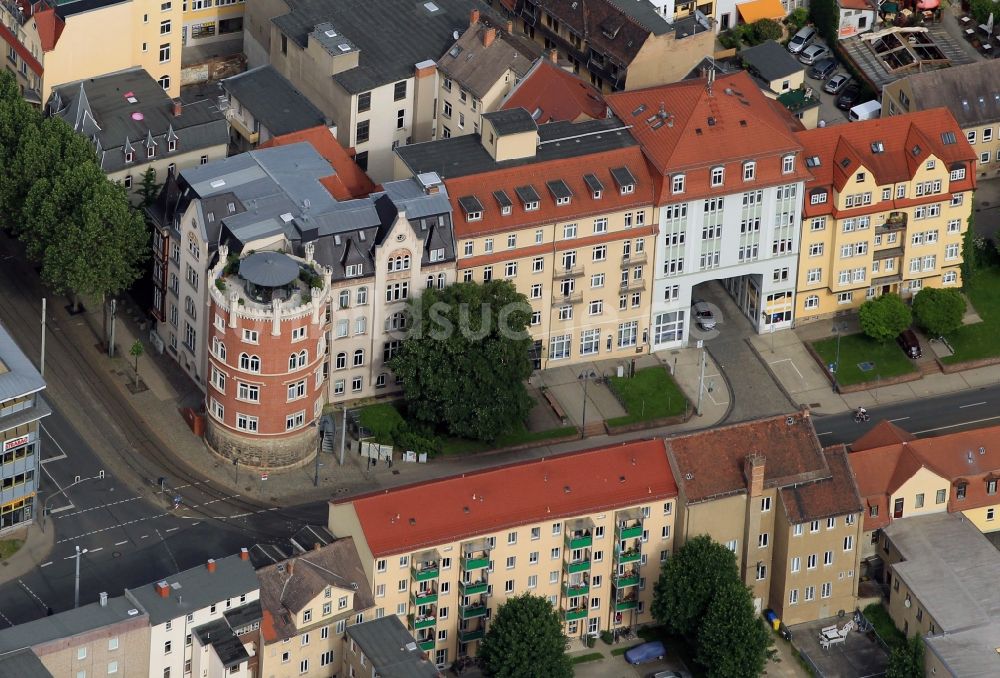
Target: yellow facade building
{"points": [[569, 224], [884, 212], [51, 43], [211, 21]]}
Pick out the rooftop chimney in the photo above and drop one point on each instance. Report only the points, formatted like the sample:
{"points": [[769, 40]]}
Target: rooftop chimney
{"points": [[178, 108], [244, 554], [474, 17], [554, 55], [290, 566], [210, 565], [489, 35], [510, 26], [103, 598], [316, 546], [163, 589], [754, 470]]}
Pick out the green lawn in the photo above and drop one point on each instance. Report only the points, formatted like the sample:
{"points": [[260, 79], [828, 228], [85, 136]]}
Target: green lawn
{"points": [[884, 627], [889, 359], [974, 342], [9, 547], [650, 394], [619, 651], [589, 657]]}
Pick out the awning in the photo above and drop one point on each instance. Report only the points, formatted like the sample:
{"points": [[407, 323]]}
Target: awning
{"points": [[755, 10], [889, 7]]}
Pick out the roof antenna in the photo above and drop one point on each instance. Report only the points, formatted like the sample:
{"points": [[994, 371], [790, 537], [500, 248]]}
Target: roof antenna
{"points": [[710, 79]]}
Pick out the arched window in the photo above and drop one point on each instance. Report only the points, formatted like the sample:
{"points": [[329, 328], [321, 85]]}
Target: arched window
{"points": [[341, 361], [430, 281], [396, 321], [219, 349], [345, 298], [293, 361], [362, 296], [441, 281], [359, 357], [249, 363], [303, 357]]}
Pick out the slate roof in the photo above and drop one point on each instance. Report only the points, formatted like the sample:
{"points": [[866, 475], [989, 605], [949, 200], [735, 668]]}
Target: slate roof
{"points": [[99, 109], [22, 664], [391, 648], [970, 91], [550, 94], [477, 67], [18, 376], [220, 636], [67, 8], [511, 121], [710, 464], [288, 586], [71, 623], [770, 60], [408, 33], [196, 588], [833, 496], [273, 101], [426, 514]]}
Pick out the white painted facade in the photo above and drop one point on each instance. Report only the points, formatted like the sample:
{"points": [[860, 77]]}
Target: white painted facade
{"points": [[749, 240]]}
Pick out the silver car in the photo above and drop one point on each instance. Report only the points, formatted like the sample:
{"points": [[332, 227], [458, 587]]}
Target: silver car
{"points": [[814, 53], [703, 315], [836, 83]]}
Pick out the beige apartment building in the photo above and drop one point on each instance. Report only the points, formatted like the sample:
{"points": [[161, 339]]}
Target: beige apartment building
{"points": [[587, 530], [969, 92], [50, 43], [477, 73], [309, 600], [885, 210], [207, 23], [569, 224], [786, 507]]}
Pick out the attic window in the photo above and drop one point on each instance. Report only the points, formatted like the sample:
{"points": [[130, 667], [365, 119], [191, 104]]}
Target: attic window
{"points": [[877, 147], [211, 217], [218, 183], [529, 197], [455, 51], [431, 7], [624, 178], [232, 207], [948, 138], [330, 33], [130, 97], [536, 114], [711, 121], [172, 145], [812, 161], [129, 156], [472, 207], [915, 150], [639, 110], [743, 123], [845, 163], [286, 217], [560, 191]]}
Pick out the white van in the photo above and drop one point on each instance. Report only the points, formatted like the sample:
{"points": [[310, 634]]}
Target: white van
{"points": [[865, 111]]}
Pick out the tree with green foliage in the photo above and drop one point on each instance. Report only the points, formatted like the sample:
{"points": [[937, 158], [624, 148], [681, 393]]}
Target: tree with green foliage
{"points": [[525, 639], [136, 352], [17, 117], [825, 14], [732, 640], [981, 10], [907, 659], [938, 310], [148, 189], [797, 19], [462, 335], [762, 30], [884, 317], [970, 253], [688, 581]]}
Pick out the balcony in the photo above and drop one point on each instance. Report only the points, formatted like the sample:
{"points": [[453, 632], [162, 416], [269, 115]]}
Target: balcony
{"points": [[570, 298], [632, 285], [629, 603], [634, 259], [574, 614], [425, 622], [469, 635], [474, 611], [578, 566], [571, 590], [631, 555], [472, 588], [426, 645], [424, 597], [424, 571], [470, 563], [896, 221], [563, 272], [629, 531], [579, 540], [630, 578]]}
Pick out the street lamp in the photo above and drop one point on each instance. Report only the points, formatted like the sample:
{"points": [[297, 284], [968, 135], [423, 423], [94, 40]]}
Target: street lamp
{"points": [[76, 587], [585, 377], [838, 329]]}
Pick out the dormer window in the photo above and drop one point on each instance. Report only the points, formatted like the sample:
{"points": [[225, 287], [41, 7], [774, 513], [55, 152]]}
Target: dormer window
{"points": [[718, 176], [677, 184], [353, 270], [172, 145], [560, 191], [817, 198], [529, 197], [150, 151], [504, 201], [788, 164], [472, 207], [625, 180], [129, 156], [749, 170], [595, 185]]}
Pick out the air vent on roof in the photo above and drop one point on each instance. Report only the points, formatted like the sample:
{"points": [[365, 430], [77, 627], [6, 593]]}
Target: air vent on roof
{"points": [[218, 183], [330, 33], [640, 109], [877, 147], [915, 150], [344, 47], [286, 217]]}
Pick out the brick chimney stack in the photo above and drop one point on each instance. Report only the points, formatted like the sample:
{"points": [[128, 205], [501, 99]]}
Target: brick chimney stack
{"points": [[489, 35], [244, 554], [474, 17], [210, 565], [163, 589], [178, 108], [510, 27], [554, 55], [754, 471]]}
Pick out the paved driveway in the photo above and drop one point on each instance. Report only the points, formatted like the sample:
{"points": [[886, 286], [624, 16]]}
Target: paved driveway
{"points": [[617, 667], [755, 394]]}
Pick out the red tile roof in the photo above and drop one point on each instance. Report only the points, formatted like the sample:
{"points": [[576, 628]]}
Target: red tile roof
{"points": [[833, 496], [570, 170], [350, 181], [556, 95], [710, 464], [473, 504], [684, 128], [7, 36], [882, 434], [49, 24]]}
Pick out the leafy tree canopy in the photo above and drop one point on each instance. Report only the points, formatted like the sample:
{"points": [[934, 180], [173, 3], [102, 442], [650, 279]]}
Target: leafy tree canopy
{"points": [[524, 640], [883, 318], [939, 311], [732, 640], [688, 581], [907, 659]]}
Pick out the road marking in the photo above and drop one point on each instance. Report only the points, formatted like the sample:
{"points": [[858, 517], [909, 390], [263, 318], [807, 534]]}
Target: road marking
{"points": [[5, 619], [33, 594], [113, 527], [965, 423], [61, 509], [143, 536], [94, 508], [99, 548], [119, 543], [899, 419], [45, 564], [789, 360], [56, 442], [172, 529], [962, 407]]}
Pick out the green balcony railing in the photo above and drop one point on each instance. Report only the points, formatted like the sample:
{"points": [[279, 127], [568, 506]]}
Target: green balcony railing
{"points": [[573, 615], [470, 635], [631, 532], [579, 566], [422, 623], [627, 580], [424, 597], [622, 605], [571, 590], [472, 588], [426, 645], [425, 573], [629, 556], [475, 563], [473, 611], [582, 541]]}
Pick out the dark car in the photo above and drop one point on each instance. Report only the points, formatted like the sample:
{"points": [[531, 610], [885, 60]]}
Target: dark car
{"points": [[908, 341], [849, 96], [823, 68]]}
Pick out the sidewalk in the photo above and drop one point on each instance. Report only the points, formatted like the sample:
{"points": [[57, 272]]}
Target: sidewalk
{"points": [[35, 550]]}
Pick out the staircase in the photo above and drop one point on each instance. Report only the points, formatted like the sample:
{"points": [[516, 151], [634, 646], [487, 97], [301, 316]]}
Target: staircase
{"points": [[928, 366], [594, 428]]}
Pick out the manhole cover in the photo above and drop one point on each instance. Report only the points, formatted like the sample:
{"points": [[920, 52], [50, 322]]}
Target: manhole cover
{"points": [[116, 554], [866, 366]]}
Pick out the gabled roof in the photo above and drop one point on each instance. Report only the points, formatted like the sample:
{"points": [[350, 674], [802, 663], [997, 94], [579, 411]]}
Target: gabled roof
{"points": [[882, 434], [49, 25], [348, 180], [451, 509], [273, 101], [550, 94], [477, 66], [687, 124], [970, 91], [833, 496], [710, 464]]}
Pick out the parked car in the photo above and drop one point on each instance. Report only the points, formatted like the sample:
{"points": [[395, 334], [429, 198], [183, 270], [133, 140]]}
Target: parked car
{"points": [[801, 39], [908, 341], [814, 53], [836, 83], [703, 315], [823, 68], [647, 652], [849, 96]]}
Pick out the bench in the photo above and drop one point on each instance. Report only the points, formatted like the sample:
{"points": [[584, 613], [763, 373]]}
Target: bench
{"points": [[554, 404]]}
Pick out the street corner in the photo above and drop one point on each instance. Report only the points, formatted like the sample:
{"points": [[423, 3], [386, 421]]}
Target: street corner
{"points": [[36, 546]]}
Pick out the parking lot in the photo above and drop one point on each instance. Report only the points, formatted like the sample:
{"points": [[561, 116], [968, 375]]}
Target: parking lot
{"points": [[617, 667], [828, 111]]}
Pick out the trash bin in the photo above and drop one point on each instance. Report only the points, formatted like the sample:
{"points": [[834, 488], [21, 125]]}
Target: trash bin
{"points": [[784, 632], [772, 619]]}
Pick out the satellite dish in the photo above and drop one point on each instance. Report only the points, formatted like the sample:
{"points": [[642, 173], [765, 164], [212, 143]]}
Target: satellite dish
{"points": [[455, 35]]}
